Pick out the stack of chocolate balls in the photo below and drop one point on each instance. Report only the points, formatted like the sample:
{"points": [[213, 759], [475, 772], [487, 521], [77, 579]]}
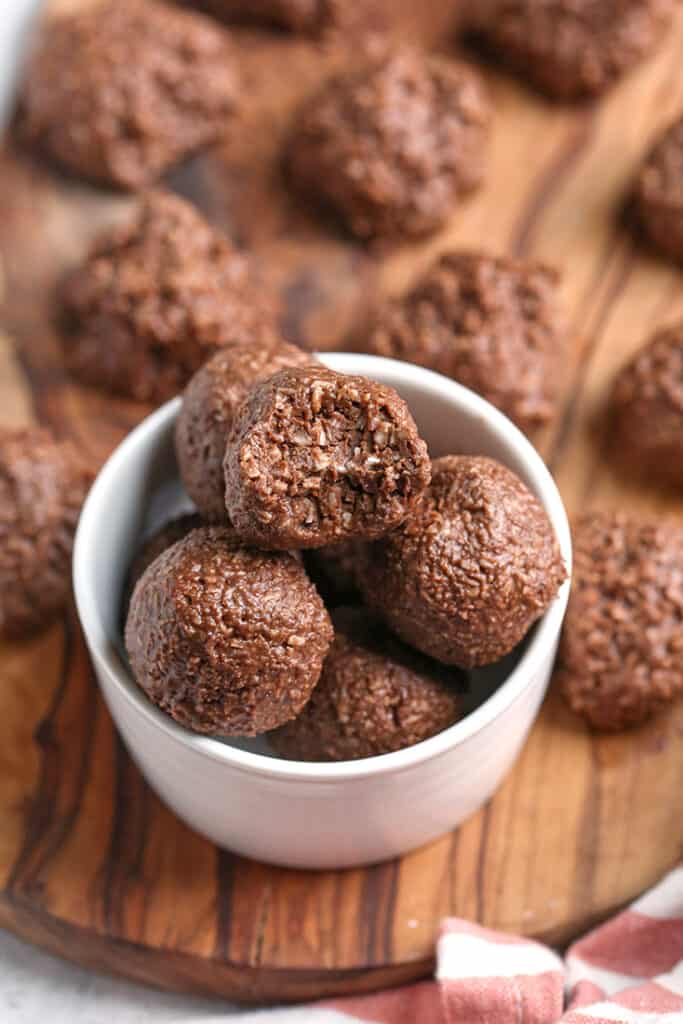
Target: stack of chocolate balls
{"points": [[227, 630]]}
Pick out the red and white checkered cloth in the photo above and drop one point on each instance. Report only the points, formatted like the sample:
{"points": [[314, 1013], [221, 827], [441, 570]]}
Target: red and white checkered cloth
{"points": [[629, 971]]}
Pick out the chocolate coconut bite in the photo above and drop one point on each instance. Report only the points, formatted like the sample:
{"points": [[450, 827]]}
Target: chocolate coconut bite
{"points": [[468, 574], [120, 92], [570, 49], [317, 457], [225, 639], [155, 299], [42, 486], [394, 146], [210, 404], [621, 653], [375, 695], [646, 408], [490, 323], [659, 194]]}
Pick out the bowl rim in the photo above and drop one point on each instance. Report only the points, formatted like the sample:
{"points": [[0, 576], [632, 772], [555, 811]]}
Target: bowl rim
{"points": [[546, 633]]}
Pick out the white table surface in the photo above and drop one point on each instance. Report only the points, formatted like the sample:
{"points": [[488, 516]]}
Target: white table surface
{"points": [[39, 989]]}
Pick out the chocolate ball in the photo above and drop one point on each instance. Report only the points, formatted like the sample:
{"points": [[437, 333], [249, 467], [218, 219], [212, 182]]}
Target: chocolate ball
{"points": [[492, 324], [210, 403], [120, 92], [317, 457], [659, 193], [569, 49], [375, 695], [647, 409], [621, 653], [42, 486], [467, 575], [225, 639], [393, 146], [155, 299]]}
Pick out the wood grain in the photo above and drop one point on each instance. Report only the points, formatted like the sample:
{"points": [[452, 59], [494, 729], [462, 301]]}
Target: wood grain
{"points": [[92, 866]]}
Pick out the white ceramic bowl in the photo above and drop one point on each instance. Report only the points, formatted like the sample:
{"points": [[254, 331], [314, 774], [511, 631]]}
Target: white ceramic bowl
{"points": [[294, 813]]}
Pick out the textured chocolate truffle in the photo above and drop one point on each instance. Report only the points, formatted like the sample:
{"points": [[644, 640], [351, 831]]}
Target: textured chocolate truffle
{"points": [[471, 570], [121, 92], [317, 457], [155, 299], [225, 639], [492, 324], [647, 409], [392, 147], [210, 403], [569, 49], [42, 486], [659, 193], [375, 695], [621, 654]]}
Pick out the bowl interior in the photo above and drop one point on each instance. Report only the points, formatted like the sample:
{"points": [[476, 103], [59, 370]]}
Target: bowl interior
{"points": [[139, 489]]}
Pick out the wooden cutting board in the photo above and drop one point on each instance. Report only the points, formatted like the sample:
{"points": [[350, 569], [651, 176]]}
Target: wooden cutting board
{"points": [[92, 866]]}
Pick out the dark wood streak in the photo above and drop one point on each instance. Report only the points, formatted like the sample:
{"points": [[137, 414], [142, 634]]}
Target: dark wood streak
{"points": [[551, 179], [123, 864], [225, 864], [380, 886], [48, 825]]}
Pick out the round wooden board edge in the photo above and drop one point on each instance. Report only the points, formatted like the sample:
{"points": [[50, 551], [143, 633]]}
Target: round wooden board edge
{"points": [[172, 971]]}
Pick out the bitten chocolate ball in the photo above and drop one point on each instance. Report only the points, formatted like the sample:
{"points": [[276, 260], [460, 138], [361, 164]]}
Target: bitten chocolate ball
{"points": [[492, 324], [121, 92], [621, 653], [42, 485], [226, 640], [375, 695], [659, 193], [317, 457], [647, 409], [210, 404], [155, 299], [393, 147], [569, 49], [471, 570]]}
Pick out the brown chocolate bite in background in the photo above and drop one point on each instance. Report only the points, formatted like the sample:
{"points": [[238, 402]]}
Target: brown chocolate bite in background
{"points": [[392, 147], [120, 92], [659, 193], [492, 324], [210, 404], [621, 653], [646, 407], [43, 483], [375, 695], [155, 299], [471, 570], [225, 639], [317, 457], [569, 49]]}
